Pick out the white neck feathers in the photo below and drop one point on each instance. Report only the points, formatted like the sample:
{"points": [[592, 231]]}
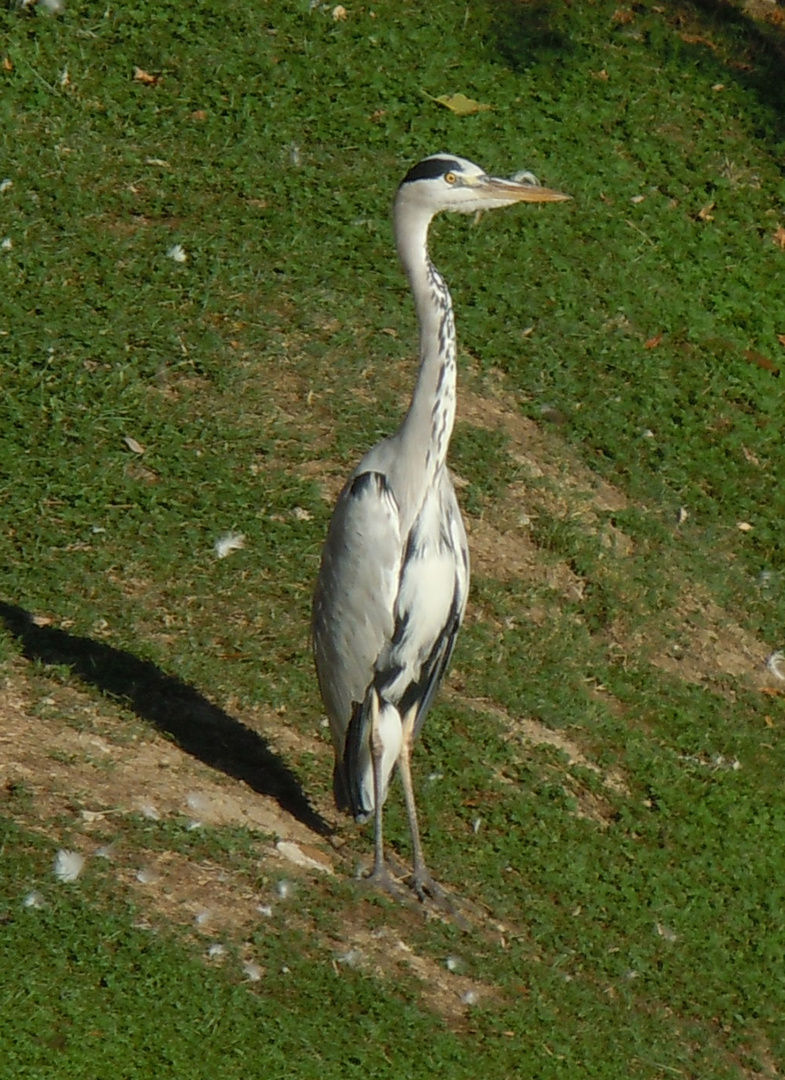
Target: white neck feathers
{"points": [[429, 422]]}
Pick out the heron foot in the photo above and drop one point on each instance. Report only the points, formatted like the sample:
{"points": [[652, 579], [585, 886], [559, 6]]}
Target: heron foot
{"points": [[413, 889], [418, 882], [425, 888], [382, 877]]}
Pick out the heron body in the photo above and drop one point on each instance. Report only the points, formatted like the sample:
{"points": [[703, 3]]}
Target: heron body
{"points": [[394, 576]]}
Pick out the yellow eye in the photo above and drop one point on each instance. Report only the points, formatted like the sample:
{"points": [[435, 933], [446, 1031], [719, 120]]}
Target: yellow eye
{"points": [[450, 177]]}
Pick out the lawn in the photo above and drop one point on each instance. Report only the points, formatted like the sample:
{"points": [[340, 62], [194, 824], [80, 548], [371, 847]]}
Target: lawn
{"points": [[202, 327]]}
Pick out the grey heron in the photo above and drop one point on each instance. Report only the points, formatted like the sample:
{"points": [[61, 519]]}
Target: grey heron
{"points": [[394, 576]]}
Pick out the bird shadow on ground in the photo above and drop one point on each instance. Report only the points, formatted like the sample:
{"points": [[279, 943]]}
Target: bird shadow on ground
{"points": [[172, 706]]}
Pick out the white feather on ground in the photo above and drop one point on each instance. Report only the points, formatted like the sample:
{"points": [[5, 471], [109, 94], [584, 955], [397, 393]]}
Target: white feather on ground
{"points": [[775, 664], [228, 543], [68, 865], [252, 970]]}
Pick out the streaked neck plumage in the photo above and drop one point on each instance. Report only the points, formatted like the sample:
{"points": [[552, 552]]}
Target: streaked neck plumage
{"points": [[428, 425]]}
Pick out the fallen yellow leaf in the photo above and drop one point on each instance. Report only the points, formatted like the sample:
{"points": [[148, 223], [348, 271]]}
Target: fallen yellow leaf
{"points": [[462, 105], [779, 237]]}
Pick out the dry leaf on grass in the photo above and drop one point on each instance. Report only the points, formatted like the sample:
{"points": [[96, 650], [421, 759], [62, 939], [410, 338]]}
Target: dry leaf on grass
{"points": [[761, 361], [142, 76], [132, 444], [461, 105], [697, 39]]}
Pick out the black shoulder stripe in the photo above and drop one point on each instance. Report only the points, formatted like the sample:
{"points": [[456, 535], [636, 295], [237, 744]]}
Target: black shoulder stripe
{"points": [[365, 480], [430, 168]]}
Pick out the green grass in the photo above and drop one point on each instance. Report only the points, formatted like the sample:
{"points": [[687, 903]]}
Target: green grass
{"points": [[101, 996], [645, 315]]}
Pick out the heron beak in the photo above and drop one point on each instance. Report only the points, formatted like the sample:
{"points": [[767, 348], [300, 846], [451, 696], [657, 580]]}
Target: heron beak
{"points": [[513, 191]]}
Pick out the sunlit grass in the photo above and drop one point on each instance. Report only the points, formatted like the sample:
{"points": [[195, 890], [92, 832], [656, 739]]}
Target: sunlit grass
{"points": [[153, 404]]}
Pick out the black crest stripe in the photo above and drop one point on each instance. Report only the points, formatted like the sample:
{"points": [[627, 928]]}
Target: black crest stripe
{"points": [[430, 168]]}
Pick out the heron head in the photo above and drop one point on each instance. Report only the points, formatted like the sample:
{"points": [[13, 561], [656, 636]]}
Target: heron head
{"points": [[447, 182]]}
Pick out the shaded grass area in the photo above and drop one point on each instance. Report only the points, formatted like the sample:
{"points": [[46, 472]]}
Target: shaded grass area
{"points": [[645, 315]]}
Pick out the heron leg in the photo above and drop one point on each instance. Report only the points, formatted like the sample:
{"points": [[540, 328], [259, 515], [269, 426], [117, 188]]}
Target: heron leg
{"points": [[421, 881], [380, 874], [378, 808]]}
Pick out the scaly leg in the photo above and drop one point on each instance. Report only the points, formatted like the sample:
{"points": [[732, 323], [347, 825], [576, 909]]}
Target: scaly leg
{"points": [[422, 882], [421, 877], [380, 875]]}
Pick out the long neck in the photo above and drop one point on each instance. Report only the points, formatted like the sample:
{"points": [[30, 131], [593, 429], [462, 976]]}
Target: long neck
{"points": [[429, 422]]}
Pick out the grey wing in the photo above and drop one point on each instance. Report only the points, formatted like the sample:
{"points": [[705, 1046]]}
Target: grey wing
{"points": [[354, 601]]}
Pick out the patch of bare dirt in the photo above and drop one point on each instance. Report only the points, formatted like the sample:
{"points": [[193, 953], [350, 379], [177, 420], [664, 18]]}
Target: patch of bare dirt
{"points": [[511, 555], [541, 453], [384, 954], [501, 542], [200, 896], [81, 771], [528, 731], [99, 769], [705, 645], [712, 644], [768, 11]]}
